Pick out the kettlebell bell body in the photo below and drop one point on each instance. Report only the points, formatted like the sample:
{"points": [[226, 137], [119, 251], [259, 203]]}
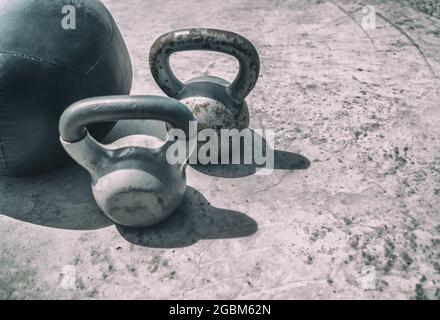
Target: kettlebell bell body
{"points": [[132, 181], [216, 103]]}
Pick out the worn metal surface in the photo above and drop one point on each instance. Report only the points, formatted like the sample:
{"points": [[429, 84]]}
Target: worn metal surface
{"points": [[133, 184], [216, 103], [360, 105]]}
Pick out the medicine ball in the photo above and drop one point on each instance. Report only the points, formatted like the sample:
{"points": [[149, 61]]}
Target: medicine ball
{"points": [[53, 53]]}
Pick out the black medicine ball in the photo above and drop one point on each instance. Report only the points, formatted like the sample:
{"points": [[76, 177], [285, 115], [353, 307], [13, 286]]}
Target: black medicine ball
{"points": [[53, 53]]}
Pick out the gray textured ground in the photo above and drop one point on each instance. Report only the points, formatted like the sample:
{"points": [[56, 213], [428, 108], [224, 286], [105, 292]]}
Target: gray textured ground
{"points": [[430, 7], [361, 106]]}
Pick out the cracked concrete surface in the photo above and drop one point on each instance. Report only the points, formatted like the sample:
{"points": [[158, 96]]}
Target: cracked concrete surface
{"points": [[350, 212]]}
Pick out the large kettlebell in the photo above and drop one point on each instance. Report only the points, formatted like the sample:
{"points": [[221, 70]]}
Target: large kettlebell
{"points": [[216, 103], [133, 184]]}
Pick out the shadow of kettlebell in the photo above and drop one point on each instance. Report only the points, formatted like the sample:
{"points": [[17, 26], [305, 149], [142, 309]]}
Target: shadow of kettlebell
{"points": [[282, 160], [194, 220]]}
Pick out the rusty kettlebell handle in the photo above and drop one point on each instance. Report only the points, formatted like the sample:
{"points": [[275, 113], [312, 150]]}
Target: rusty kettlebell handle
{"points": [[210, 40]]}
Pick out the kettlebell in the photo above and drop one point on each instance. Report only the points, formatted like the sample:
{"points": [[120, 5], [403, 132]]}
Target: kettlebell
{"points": [[132, 183], [216, 103]]}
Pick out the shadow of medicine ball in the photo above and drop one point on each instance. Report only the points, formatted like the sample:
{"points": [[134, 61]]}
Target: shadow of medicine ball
{"points": [[53, 53]]}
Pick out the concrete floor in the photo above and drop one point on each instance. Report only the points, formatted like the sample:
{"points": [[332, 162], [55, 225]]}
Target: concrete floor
{"points": [[352, 210]]}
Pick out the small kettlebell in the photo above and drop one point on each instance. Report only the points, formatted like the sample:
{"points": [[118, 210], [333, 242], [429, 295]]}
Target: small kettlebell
{"points": [[132, 183], [216, 103]]}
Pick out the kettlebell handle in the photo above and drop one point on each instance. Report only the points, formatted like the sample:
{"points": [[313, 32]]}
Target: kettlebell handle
{"points": [[210, 40], [75, 118]]}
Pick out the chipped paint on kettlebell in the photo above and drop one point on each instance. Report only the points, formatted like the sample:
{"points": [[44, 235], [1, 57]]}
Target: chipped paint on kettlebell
{"points": [[212, 114], [216, 103]]}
